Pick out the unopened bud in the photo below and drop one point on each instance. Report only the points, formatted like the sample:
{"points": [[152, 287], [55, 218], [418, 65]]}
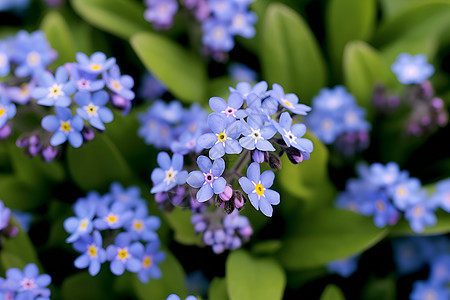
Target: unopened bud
{"points": [[274, 162], [229, 207], [88, 134], [49, 153], [227, 193], [5, 131], [258, 156], [239, 200]]}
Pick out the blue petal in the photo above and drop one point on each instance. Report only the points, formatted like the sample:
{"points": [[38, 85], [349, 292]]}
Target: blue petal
{"points": [[31, 271], [105, 114], [46, 102], [246, 185], [163, 160], [247, 142], [181, 177], [75, 139], [219, 185], [204, 164], [268, 132], [71, 224], [264, 145], [77, 123], [82, 113], [63, 113], [195, 179], [63, 101], [217, 104], [133, 265], [267, 178], [177, 161], [272, 197], [298, 130], [100, 98], [43, 280], [218, 167], [205, 193], [50, 123], [235, 100], [207, 140], [253, 172], [58, 138], [39, 92], [117, 267], [232, 147], [94, 267], [82, 98], [265, 207], [217, 151], [234, 129], [254, 200], [61, 74], [217, 122], [97, 123], [81, 261], [304, 145]]}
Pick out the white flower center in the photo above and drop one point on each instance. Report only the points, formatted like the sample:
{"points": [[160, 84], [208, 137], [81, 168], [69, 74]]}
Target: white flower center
{"points": [[91, 109], [55, 91], [170, 176], [290, 136], [28, 284], [33, 58], [256, 134]]}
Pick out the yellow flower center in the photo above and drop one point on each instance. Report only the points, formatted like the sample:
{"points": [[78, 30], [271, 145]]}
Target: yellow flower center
{"points": [[33, 58], [402, 191], [259, 189], [112, 218], [147, 261], [91, 109], [96, 67], [2, 111], [287, 103], [380, 205], [92, 251], [222, 137], [138, 225], [418, 210], [24, 89], [116, 85], [65, 126], [122, 253], [327, 124], [83, 224]]}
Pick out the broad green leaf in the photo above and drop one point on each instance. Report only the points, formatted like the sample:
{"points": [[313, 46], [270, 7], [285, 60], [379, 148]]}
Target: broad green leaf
{"points": [[289, 53], [17, 194], [307, 184], [326, 235], [380, 288], [297, 278], [341, 29], [249, 278], [332, 292], [218, 87], [363, 68], [172, 281], [391, 8], [119, 17], [84, 286], [183, 73], [266, 247], [98, 163], [180, 222], [59, 36], [218, 289], [442, 226]]}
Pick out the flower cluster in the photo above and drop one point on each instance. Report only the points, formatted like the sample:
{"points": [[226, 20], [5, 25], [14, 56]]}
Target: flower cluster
{"points": [[337, 119], [425, 111], [384, 191], [221, 19], [254, 123], [25, 285], [222, 231], [412, 254], [79, 93], [6, 228], [129, 240]]}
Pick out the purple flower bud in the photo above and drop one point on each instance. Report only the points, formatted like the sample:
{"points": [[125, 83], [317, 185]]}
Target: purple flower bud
{"points": [[442, 118], [33, 140], [161, 197], [5, 131], [11, 231], [88, 134], [437, 103], [393, 101], [246, 231], [22, 142], [218, 248], [294, 155], [239, 200], [227, 193], [258, 156], [427, 89], [34, 149], [274, 161], [121, 103], [49, 153]]}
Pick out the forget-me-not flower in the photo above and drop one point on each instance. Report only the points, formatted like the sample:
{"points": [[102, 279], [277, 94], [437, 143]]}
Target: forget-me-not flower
{"points": [[209, 179], [95, 64], [411, 69], [150, 257], [93, 255], [124, 255], [293, 135], [256, 135], [64, 126], [92, 108], [231, 110], [169, 174], [7, 110], [289, 101], [54, 90]]}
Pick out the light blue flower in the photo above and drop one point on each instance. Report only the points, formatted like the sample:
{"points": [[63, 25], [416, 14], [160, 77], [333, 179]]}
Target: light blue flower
{"points": [[93, 255], [216, 35], [28, 284], [293, 135], [113, 217], [242, 23], [64, 126], [82, 224], [4, 60], [92, 108], [119, 84], [428, 290], [289, 101], [208, 180], [142, 226], [124, 255], [54, 90], [7, 110], [420, 215], [230, 110], [150, 258], [96, 64], [83, 80], [411, 69], [169, 174], [256, 186], [256, 135]]}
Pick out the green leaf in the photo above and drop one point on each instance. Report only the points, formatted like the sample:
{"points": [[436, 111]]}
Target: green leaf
{"points": [[180, 222], [98, 163], [119, 17], [326, 235], [218, 289], [84, 286], [249, 278], [289, 53], [380, 288], [312, 185], [442, 226], [332, 292], [340, 29], [17, 194], [183, 73], [266, 247], [172, 281], [298, 278], [59, 36], [363, 67], [391, 8]]}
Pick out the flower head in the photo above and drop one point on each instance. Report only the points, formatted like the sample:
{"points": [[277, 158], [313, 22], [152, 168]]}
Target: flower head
{"points": [[28, 284], [54, 90], [92, 108], [289, 101], [7, 110], [169, 174], [293, 135], [208, 179], [124, 254], [93, 255], [96, 64], [411, 69], [64, 126], [150, 258]]}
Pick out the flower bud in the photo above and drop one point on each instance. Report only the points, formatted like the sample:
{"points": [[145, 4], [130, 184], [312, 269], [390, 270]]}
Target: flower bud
{"points": [[5, 131], [227, 193], [258, 156], [88, 134], [239, 200], [49, 153], [274, 162]]}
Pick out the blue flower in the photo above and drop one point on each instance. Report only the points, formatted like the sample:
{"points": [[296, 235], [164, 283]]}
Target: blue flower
{"points": [[326, 127], [344, 267], [241, 72], [28, 284], [420, 215], [92, 108], [230, 110], [255, 135], [150, 257], [54, 90], [242, 23], [412, 69], [292, 135], [161, 12], [223, 138], [85, 81], [222, 9], [155, 131], [130, 197], [142, 226], [93, 253], [7, 110], [169, 174], [262, 108], [124, 255], [257, 185], [216, 35], [405, 192], [289, 101], [245, 89], [176, 297], [82, 224], [112, 218], [96, 64], [440, 269], [428, 290], [441, 197], [120, 84], [151, 87], [208, 180], [187, 142], [4, 60], [65, 127], [383, 210], [5, 214]]}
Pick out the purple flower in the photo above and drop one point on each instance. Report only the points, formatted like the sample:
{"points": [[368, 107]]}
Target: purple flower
{"points": [[82, 224], [256, 186], [292, 135], [255, 135], [93, 253], [208, 180], [124, 255], [289, 101], [412, 69], [216, 35], [54, 90], [65, 127], [92, 108], [161, 12], [169, 174], [119, 84], [223, 138], [28, 284], [150, 257], [96, 64], [7, 110], [230, 109]]}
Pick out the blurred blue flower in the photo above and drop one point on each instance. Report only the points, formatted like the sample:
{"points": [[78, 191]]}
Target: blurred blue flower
{"points": [[217, 36], [83, 80], [245, 89], [440, 269], [441, 196], [420, 215], [242, 23], [142, 226], [151, 87], [289, 101], [113, 217], [4, 60], [242, 73], [428, 290], [5, 214], [96, 64], [28, 284], [150, 258], [176, 297], [161, 12], [130, 197], [344, 267], [256, 186], [119, 84], [169, 174], [124, 255], [411, 69], [209, 179], [54, 90], [92, 108], [65, 127], [82, 225], [7, 110], [93, 255]]}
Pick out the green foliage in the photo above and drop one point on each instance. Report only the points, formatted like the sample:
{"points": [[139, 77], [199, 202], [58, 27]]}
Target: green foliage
{"points": [[289, 53], [183, 73], [180, 222], [249, 278], [332, 292], [218, 289], [84, 286]]}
